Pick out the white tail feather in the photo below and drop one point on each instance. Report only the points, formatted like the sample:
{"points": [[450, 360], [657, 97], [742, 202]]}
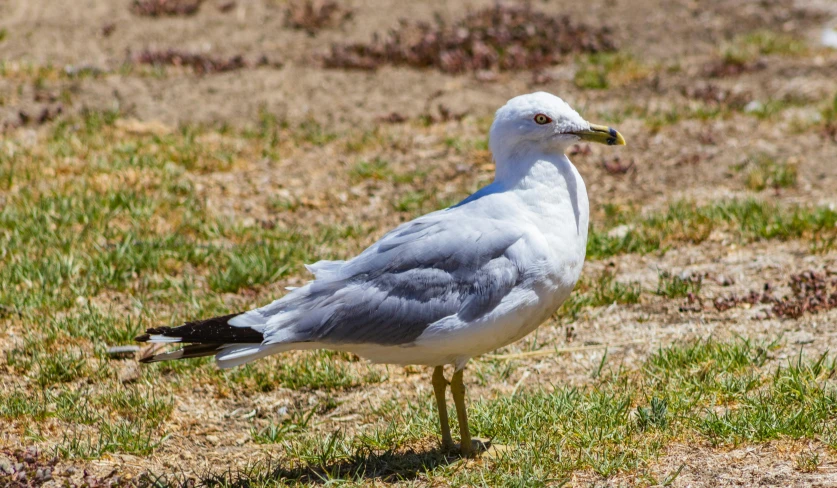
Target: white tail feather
{"points": [[236, 355]]}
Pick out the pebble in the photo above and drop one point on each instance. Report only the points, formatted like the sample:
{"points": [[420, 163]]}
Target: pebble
{"points": [[620, 231], [725, 280], [213, 439], [43, 474], [754, 106], [6, 465]]}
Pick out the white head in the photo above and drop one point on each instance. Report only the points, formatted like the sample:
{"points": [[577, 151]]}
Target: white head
{"points": [[544, 124]]}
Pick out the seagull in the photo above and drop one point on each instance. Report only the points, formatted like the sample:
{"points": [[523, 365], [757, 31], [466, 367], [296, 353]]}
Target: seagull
{"points": [[447, 286]]}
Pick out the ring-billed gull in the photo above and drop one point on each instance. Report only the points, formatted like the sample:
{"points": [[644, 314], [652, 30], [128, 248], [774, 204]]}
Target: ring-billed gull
{"points": [[447, 286]]}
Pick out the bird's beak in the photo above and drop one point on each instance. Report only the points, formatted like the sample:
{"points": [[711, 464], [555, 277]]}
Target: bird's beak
{"points": [[601, 134]]}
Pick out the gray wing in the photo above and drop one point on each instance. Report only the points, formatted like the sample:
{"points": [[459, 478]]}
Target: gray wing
{"points": [[421, 272]]}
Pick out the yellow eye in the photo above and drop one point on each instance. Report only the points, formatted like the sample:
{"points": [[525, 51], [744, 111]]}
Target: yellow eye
{"points": [[542, 119]]}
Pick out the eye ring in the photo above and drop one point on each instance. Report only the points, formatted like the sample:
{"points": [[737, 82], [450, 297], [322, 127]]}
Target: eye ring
{"points": [[542, 119]]}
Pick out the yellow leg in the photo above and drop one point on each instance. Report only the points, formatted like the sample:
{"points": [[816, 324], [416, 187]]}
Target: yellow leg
{"points": [[439, 386], [458, 391]]}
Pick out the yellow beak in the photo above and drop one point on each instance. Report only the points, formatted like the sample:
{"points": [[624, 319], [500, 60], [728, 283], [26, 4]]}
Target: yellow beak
{"points": [[601, 134]]}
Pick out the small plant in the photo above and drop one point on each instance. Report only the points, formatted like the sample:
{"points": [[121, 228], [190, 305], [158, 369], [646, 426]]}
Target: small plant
{"points": [[742, 54], [653, 416], [411, 201], [766, 172], [807, 461], [499, 38], [313, 15], [811, 292], [599, 71], [606, 290], [377, 169], [200, 63], [672, 286], [296, 421], [159, 8], [829, 119], [60, 367], [767, 42]]}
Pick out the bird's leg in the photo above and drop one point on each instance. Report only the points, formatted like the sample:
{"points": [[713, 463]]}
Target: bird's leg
{"points": [[439, 386], [457, 388]]}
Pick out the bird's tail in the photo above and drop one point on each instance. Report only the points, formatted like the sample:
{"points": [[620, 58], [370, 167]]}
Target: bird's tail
{"points": [[231, 345]]}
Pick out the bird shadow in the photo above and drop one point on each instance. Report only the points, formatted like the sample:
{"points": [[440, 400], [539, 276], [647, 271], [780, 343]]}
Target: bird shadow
{"points": [[364, 465], [386, 467]]}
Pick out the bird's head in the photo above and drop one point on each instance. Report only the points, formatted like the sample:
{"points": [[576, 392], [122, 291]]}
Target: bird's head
{"points": [[543, 122]]}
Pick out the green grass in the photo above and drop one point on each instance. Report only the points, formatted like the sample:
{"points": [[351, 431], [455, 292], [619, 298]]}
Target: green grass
{"points": [[600, 71], [672, 286], [315, 370], [685, 222], [106, 233], [131, 437], [95, 422], [600, 291], [763, 172], [765, 42], [702, 392], [296, 422]]}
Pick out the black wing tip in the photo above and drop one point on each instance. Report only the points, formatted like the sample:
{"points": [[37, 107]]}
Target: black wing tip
{"points": [[215, 330]]}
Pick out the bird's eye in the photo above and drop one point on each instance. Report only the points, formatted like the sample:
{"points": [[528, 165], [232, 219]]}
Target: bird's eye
{"points": [[542, 119]]}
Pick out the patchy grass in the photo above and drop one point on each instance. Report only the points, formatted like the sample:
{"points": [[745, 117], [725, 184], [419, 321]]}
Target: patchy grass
{"points": [[316, 370], [600, 71], [722, 393], [108, 228], [601, 291], [829, 119], [684, 222], [768, 42], [677, 286], [765, 172], [743, 54]]}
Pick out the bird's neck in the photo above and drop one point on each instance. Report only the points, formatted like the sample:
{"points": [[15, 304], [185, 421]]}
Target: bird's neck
{"points": [[551, 188], [536, 170]]}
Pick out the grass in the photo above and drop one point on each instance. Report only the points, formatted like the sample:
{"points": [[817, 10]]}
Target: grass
{"points": [[722, 393], [684, 222], [316, 370], [764, 172], [296, 422], [600, 291], [600, 71], [763, 42], [107, 232], [675, 286]]}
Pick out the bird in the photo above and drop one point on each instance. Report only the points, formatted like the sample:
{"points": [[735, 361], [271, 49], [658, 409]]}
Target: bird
{"points": [[447, 286]]}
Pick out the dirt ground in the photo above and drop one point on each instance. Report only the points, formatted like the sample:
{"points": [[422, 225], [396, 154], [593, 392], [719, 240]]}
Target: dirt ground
{"points": [[685, 158]]}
